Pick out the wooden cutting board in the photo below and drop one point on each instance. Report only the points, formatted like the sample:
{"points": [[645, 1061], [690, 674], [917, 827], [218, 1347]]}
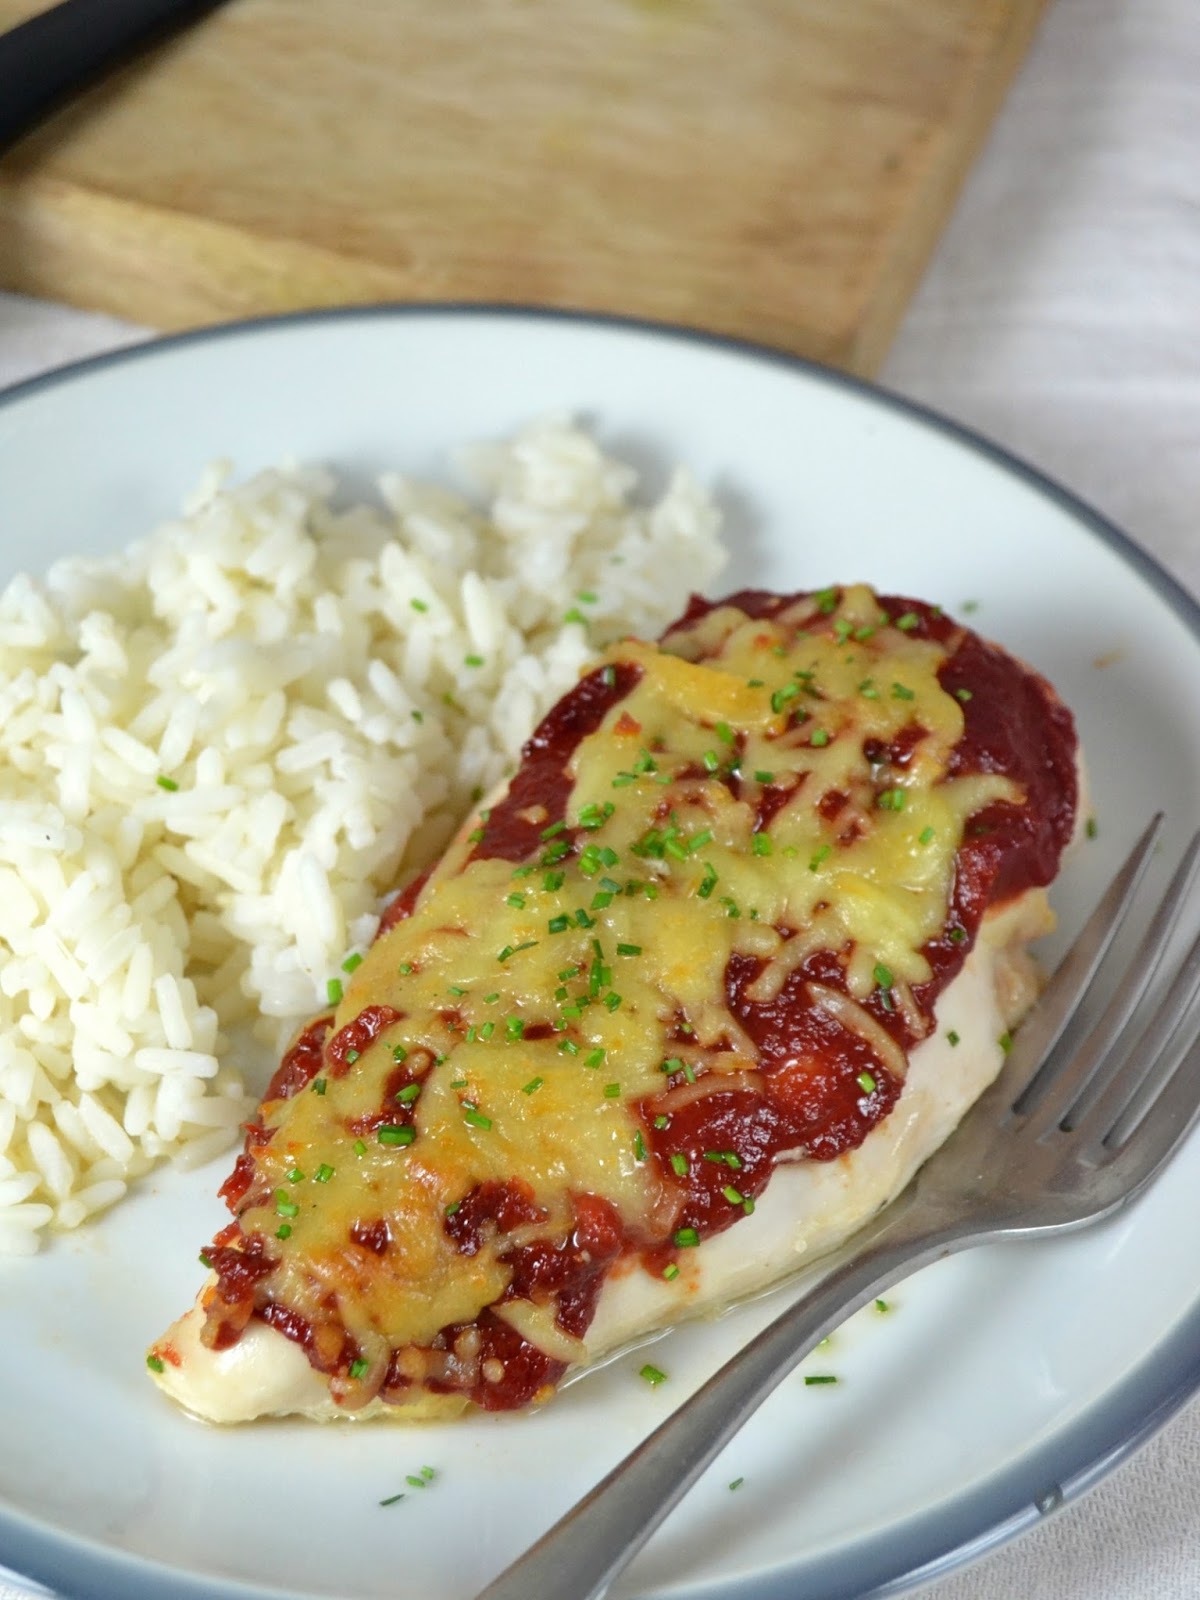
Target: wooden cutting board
{"points": [[777, 169]]}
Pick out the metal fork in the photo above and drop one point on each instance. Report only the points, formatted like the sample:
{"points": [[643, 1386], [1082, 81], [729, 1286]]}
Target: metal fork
{"points": [[1061, 1139]]}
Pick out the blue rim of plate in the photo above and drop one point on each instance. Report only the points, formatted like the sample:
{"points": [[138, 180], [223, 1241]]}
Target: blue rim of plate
{"points": [[937, 1542]]}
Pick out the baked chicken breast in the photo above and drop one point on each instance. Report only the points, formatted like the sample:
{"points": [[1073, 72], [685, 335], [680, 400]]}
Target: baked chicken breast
{"points": [[676, 1013]]}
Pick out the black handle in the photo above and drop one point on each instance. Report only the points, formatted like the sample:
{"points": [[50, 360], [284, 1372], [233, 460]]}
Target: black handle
{"points": [[61, 51]]}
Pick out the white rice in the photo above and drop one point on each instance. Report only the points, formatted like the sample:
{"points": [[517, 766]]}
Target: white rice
{"points": [[219, 748]]}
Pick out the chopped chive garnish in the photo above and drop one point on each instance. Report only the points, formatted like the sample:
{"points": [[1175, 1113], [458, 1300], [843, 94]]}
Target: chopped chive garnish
{"points": [[608, 677], [727, 1158], [812, 1379], [472, 661], [686, 1238], [957, 935], [761, 844], [818, 737], [418, 605], [1092, 828], [486, 1031], [285, 1207], [318, 1086], [907, 622], [594, 1058], [820, 854], [352, 962], [712, 761], [612, 1091], [629, 949], [952, 1037], [408, 1094], [405, 968], [154, 1363], [679, 1165], [652, 1375], [725, 733], [883, 976], [516, 901], [891, 799], [512, 949], [764, 777], [737, 1483], [670, 1271], [866, 1083], [532, 1086], [555, 827], [1005, 1042], [393, 1133], [284, 1231], [164, 782], [882, 1307], [352, 1056], [559, 924], [827, 600], [553, 881], [926, 836], [574, 615], [901, 692], [359, 1368], [392, 1499], [476, 1118], [962, 694], [733, 1195], [514, 1027], [333, 991], [323, 1173], [639, 1146]]}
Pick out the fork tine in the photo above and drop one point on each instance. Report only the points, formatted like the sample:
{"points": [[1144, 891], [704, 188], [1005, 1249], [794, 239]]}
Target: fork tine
{"points": [[1103, 1101], [1092, 1066], [1145, 1138], [1041, 1030], [1143, 1064]]}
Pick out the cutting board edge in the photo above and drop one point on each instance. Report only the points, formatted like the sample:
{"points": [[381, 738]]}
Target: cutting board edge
{"points": [[949, 164], [170, 270]]}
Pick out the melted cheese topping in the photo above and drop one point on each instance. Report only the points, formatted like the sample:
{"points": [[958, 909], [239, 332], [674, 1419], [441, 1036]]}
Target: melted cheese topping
{"points": [[808, 1209], [608, 949]]}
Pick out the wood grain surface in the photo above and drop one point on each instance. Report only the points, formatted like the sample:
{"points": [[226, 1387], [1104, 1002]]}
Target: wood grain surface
{"points": [[775, 169]]}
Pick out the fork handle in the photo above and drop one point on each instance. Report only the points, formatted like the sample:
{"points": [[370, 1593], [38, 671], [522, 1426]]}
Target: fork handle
{"points": [[581, 1555]]}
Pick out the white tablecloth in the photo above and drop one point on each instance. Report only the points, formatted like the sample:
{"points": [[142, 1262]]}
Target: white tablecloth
{"points": [[1061, 315]]}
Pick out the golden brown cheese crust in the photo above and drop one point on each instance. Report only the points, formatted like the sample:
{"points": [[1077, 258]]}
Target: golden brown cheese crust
{"points": [[701, 933]]}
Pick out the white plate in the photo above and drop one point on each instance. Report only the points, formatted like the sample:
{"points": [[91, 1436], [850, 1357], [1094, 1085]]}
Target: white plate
{"points": [[1004, 1379]]}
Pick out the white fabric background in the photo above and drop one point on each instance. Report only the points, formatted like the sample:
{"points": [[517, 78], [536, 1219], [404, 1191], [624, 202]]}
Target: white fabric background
{"points": [[1061, 315]]}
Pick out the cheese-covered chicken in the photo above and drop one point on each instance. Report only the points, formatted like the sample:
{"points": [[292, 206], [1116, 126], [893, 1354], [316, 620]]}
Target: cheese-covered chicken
{"points": [[677, 1012]]}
